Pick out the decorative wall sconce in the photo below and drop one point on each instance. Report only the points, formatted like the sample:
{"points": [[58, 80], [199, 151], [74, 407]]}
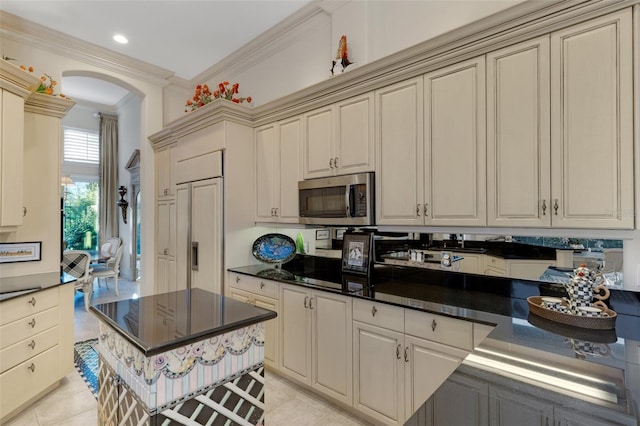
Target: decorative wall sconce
{"points": [[122, 203]]}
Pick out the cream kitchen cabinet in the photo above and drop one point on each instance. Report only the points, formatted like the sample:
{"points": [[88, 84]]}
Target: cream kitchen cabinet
{"points": [[455, 145], [402, 356], [518, 135], [166, 246], [399, 153], [165, 172], [430, 141], [592, 124], [36, 341], [278, 153], [264, 294], [316, 340], [338, 139], [526, 269]]}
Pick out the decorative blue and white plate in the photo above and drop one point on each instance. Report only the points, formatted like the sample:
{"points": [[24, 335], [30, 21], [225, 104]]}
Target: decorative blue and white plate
{"points": [[274, 248]]}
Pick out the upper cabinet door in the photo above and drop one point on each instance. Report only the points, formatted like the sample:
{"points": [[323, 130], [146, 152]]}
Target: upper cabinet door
{"points": [[354, 151], [455, 145], [267, 173], [290, 170], [592, 124], [518, 135], [11, 158], [318, 143], [399, 153]]}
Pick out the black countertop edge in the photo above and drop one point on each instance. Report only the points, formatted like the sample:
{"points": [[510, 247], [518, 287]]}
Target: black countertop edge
{"points": [[242, 315], [192, 338], [12, 287]]}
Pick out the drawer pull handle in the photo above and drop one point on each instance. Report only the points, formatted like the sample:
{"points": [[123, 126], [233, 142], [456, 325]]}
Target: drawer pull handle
{"points": [[237, 280], [261, 285], [306, 301], [311, 303], [373, 311], [103, 336], [33, 301], [32, 367], [32, 323], [398, 352], [434, 324], [406, 354], [32, 345]]}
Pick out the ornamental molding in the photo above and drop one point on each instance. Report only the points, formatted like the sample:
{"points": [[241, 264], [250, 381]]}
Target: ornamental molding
{"points": [[54, 106]]}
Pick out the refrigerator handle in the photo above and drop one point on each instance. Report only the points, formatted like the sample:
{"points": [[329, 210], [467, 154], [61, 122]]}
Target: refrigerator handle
{"points": [[194, 255]]}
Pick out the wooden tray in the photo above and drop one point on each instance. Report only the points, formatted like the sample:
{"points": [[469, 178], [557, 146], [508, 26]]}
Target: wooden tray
{"points": [[594, 323]]}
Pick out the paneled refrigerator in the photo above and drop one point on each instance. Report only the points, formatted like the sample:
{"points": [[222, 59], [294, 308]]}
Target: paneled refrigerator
{"points": [[199, 222]]}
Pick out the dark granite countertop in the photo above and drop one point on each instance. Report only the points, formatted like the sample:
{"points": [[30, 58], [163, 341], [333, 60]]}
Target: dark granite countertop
{"points": [[11, 287], [494, 300], [196, 314]]}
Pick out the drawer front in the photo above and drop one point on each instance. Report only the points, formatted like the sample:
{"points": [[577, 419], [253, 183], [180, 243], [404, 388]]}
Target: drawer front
{"points": [[21, 383], [25, 349], [495, 262], [376, 313], [27, 327], [26, 305], [438, 328], [255, 285]]}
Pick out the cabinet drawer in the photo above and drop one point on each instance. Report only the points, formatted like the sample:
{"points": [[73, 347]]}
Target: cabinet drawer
{"points": [[26, 305], [438, 328], [27, 327], [375, 313], [19, 384], [25, 349], [255, 285], [495, 262]]}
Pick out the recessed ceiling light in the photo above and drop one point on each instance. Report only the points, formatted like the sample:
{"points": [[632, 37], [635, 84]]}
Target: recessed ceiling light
{"points": [[120, 39]]}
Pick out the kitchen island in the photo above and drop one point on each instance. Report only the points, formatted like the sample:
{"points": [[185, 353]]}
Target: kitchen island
{"points": [[527, 369], [181, 357]]}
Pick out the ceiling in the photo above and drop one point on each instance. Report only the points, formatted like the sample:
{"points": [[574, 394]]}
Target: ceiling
{"points": [[183, 36]]}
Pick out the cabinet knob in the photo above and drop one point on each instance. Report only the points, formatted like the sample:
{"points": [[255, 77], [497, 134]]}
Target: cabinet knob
{"points": [[32, 367], [32, 345], [434, 324], [237, 280], [544, 207], [166, 251], [32, 323], [425, 209], [373, 311], [398, 352], [33, 301], [261, 285], [417, 209], [555, 207]]}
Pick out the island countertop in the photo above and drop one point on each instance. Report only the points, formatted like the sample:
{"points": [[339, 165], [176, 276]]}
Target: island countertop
{"points": [[198, 314]]}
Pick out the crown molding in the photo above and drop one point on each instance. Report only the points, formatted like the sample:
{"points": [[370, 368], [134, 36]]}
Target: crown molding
{"points": [[269, 42], [54, 106], [16, 80], [21, 30]]}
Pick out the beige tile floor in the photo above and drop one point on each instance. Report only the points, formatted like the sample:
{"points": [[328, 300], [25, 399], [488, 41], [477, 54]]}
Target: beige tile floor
{"points": [[72, 403]]}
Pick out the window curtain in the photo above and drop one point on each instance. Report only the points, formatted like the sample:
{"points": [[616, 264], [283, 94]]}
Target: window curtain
{"points": [[108, 177]]}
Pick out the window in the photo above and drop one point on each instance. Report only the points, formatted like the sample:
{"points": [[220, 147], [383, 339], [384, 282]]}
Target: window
{"points": [[81, 146]]}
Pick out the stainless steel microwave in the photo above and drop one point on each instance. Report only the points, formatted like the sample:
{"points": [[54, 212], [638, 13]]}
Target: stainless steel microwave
{"points": [[337, 200]]}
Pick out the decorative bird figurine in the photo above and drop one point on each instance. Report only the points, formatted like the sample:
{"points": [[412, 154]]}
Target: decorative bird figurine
{"points": [[341, 56]]}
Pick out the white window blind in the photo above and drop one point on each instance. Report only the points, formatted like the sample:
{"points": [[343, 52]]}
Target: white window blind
{"points": [[81, 146]]}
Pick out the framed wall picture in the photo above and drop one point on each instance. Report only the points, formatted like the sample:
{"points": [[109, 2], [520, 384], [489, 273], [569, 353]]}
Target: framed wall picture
{"points": [[357, 253], [20, 252]]}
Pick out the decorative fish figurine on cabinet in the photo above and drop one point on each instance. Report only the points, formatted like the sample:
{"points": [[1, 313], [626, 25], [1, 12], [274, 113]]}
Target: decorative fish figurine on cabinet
{"points": [[341, 56]]}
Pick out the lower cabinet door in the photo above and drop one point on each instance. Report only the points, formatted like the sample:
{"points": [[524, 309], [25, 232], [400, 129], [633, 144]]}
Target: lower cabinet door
{"points": [[511, 408], [271, 331], [296, 333], [332, 372], [378, 373], [459, 391], [428, 365]]}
